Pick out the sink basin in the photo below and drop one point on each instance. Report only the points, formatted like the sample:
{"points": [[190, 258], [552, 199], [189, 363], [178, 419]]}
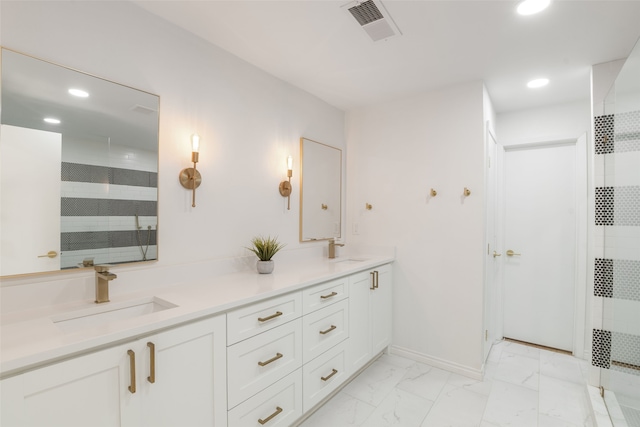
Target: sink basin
{"points": [[349, 261], [109, 312]]}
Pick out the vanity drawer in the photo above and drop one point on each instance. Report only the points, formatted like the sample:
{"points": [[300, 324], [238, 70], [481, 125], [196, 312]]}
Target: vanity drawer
{"points": [[324, 294], [256, 363], [323, 375], [325, 328], [253, 319], [278, 405]]}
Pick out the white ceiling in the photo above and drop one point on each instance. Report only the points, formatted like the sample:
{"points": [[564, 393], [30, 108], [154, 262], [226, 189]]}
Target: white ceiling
{"points": [[319, 47]]}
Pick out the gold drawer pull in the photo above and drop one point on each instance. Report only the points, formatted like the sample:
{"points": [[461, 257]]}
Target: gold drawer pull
{"points": [[152, 361], [273, 359], [333, 372], [328, 330], [132, 370], [332, 294], [273, 316], [270, 417]]}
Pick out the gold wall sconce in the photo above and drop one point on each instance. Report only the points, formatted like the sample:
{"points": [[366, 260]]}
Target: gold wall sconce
{"points": [[190, 178], [433, 193], [368, 206], [285, 186], [466, 191]]}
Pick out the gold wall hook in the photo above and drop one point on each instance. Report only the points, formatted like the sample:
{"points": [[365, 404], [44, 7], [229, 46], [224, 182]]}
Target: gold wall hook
{"points": [[324, 207], [466, 191], [433, 193], [368, 206]]}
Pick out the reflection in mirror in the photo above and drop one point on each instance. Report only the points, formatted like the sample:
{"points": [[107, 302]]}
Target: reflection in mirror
{"points": [[78, 172], [320, 191]]}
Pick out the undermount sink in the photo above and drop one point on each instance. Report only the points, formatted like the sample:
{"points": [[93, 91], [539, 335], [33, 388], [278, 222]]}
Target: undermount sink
{"points": [[348, 261], [109, 312]]}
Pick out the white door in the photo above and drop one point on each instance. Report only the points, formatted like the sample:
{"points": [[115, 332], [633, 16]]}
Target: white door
{"points": [[492, 253], [29, 200], [540, 231]]}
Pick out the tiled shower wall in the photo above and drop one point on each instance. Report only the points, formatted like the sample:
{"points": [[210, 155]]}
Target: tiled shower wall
{"points": [[104, 187], [616, 345]]}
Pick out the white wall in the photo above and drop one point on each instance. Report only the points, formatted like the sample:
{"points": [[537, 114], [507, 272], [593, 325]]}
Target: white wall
{"points": [[248, 121], [396, 152]]}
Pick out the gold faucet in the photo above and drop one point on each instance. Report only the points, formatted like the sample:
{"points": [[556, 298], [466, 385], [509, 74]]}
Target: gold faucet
{"points": [[103, 277], [332, 248]]}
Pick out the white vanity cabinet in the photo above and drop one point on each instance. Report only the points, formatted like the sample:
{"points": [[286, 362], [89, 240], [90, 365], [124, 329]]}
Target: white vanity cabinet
{"points": [[176, 377], [369, 315]]}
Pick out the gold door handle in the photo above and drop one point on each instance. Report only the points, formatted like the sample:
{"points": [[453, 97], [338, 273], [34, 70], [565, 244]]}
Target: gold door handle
{"points": [[328, 330], [332, 294], [270, 417], [50, 254], [333, 372], [273, 316], [273, 359], [152, 361], [512, 253], [495, 254], [132, 370]]}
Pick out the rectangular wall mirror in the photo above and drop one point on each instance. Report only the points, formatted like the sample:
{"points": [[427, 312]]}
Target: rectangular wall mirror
{"points": [[320, 191], [79, 169]]}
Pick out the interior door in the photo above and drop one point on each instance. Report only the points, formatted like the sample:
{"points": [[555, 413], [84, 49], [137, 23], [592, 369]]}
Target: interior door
{"points": [[539, 253], [492, 254], [29, 200]]}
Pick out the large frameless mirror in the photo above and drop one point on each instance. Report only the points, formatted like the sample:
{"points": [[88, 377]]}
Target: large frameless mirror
{"points": [[320, 191], [79, 169]]}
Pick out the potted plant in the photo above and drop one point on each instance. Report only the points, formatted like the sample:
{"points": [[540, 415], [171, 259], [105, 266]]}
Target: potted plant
{"points": [[265, 248]]}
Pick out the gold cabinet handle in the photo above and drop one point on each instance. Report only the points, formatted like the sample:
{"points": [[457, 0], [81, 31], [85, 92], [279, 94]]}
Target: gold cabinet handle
{"points": [[512, 253], [132, 370], [377, 277], [373, 281], [332, 294], [333, 372], [495, 254], [152, 361], [270, 417], [273, 359], [273, 316], [328, 330], [50, 254]]}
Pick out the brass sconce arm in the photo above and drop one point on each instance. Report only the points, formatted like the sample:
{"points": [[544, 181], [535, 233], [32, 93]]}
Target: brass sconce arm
{"points": [[190, 178], [285, 186]]}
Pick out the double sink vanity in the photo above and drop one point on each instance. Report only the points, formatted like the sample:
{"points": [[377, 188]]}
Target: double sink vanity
{"points": [[243, 350]]}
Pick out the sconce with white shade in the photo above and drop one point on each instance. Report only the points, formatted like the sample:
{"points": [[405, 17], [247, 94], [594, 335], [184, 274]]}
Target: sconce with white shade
{"points": [[285, 186], [190, 178]]}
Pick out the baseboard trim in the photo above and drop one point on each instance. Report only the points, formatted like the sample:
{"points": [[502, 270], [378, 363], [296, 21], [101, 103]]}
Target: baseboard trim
{"points": [[476, 374]]}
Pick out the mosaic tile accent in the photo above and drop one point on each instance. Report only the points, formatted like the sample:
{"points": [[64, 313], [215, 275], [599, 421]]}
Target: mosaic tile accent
{"points": [[618, 278], [618, 206], [601, 349], [74, 206], [603, 138], [106, 175], [104, 239], [617, 134]]}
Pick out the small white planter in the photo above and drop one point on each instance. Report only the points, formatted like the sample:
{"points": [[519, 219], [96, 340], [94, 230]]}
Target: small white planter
{"points": [[265, 267]]}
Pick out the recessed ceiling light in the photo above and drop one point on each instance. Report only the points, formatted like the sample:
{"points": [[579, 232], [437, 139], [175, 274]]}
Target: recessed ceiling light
{"points": [[530, 7], [536, 83], [52, 120], [79, 93]]}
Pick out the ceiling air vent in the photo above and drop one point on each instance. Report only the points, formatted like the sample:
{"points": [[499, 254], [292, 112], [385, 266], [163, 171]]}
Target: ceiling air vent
{"points": [[374, 19]]}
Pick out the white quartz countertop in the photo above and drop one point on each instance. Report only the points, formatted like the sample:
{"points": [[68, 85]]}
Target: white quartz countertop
{"points": [[29, 339]]}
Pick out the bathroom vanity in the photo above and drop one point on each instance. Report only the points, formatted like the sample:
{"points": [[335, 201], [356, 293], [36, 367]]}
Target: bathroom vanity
{"points": [[246, 349]]}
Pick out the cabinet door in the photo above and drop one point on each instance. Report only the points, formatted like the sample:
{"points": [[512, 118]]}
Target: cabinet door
{"points": [[359, 348], [90, 390], [188, 374], [381, 303]]}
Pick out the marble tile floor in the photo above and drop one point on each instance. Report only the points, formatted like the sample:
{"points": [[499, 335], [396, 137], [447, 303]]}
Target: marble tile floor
{"points": [[523, 387]]}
